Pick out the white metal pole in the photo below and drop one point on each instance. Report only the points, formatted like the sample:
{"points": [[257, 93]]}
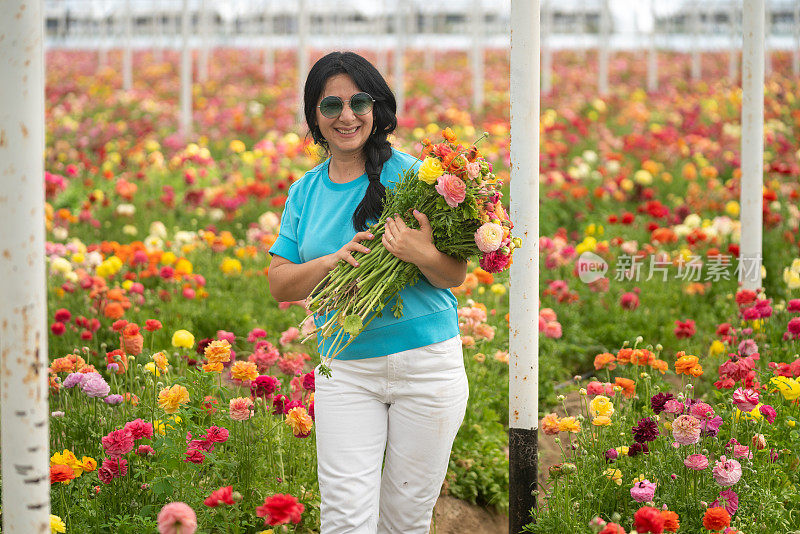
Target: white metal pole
{"points": [[23, 300], [652, 54], [751, 198], [202, 21], [547, 46], [733, 60], [269, 50], [302, 55], [696, 68], [523, 373], [767, 31], [796, 31], [158, 39], [399, 57], [127, 53], [477, 55], [602, 51], [186, 75], [380, 41]]}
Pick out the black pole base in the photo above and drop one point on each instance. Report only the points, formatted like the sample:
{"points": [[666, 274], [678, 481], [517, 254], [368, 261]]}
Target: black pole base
{"points": [[523, 455]]}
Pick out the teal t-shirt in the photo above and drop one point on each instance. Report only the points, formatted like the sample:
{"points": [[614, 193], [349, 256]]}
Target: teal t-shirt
{"points": [[318, 220]]}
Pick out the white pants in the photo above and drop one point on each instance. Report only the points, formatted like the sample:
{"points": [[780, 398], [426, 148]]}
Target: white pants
{"points": [[408, 405]]}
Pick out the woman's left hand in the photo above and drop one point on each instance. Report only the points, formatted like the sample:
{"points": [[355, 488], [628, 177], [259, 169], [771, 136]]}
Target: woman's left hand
{"points": [[407, 244]]}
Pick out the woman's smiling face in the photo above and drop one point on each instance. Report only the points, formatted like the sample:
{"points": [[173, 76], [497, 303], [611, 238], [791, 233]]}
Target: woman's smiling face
{"points": [[348, 133]]}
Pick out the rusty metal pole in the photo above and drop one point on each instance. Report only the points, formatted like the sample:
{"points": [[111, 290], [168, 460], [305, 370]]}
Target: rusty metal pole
{"points": [[752, 181], [523, 372], [23, 301]]}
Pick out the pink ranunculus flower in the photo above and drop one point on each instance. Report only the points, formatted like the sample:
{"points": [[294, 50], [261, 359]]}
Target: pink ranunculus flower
{"points": [[289, 335], [175, 518], [452, 188], [686, 429], [140, 429], [240, 408], [473, 169], [643, 491], [553, 330], [768, 412], [729, 499], [489, 237], [118, 442], [745, 399], [697, 462], [701, 410], [727, 472]]}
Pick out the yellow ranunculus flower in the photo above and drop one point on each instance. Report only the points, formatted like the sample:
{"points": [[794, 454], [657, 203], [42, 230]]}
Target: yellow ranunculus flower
{"points": [[614, 474], [170, 399], [151, 368], [231, 266], [498, 289], [89, 464], [237, 146], [622, 450], [732, 208], [789, 387], [569, 424], [430, 170], [168, 258], [792, 278], [717, 348], [643, 177], [183, 266], [57, 525], [183, 338], [601, 406], [244, 370]]}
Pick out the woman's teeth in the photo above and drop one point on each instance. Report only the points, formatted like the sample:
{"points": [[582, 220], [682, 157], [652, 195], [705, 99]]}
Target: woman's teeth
{"points": [[346, 132]]}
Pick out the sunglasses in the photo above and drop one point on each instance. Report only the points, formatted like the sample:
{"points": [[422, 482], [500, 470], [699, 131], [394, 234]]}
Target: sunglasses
{"points": [[332, 106]]}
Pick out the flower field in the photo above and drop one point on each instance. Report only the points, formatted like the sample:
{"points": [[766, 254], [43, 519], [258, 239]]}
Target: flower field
{"points": [[176, 379]]}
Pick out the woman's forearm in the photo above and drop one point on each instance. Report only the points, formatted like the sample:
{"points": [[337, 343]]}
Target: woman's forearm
{"points": [[443, 271], [289, 282]]}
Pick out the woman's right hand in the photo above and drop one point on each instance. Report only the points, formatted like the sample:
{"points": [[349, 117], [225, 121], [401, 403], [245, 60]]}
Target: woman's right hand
{"points": [[346, 252]]}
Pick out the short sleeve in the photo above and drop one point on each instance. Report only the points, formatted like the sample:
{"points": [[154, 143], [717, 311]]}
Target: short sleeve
{"points": [[286, 244]]}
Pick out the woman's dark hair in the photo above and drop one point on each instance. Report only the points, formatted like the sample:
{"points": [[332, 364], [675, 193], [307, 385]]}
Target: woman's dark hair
{"points": [[377, 150]]}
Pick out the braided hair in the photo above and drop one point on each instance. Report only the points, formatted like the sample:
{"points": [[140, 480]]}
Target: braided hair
{"points": [[377, 149]]}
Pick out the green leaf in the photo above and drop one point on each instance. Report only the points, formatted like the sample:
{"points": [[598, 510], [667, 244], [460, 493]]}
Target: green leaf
{"points": [[353, 325]]}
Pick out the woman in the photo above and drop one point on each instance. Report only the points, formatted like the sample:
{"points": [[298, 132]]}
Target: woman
{"points": [[398, 392]]}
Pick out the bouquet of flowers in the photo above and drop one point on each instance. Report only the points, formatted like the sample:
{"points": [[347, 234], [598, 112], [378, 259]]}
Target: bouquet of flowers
{"points": [[456, 189]]}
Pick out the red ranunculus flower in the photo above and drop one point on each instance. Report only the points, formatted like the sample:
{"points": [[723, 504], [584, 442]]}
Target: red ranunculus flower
{"points": [[648, 519], [280, 509]]}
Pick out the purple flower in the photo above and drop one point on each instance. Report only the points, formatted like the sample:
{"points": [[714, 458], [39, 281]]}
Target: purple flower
{"points": [[112, 367], [94, 385], [638, 448], [611, 455], [728, 500], [643, 491], [766, 410], [659, 400], [646, 430], [73, 379], [113, 400]]}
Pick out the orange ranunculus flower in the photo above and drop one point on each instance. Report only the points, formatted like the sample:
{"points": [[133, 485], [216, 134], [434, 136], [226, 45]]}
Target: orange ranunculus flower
{"points": [[550, 424], [118, 356], [212, 367], [449, 135], [716, 519], [671, 523], [218, 351], [244, 370], [483, 276], [642, 357], [624, 356], [160, 359], [61, 473], [603, 360], [113, 310], [62, 365], [300, 421], [88, 464], [660, 365], [686, 363], [628, 386], [131, 340]]}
